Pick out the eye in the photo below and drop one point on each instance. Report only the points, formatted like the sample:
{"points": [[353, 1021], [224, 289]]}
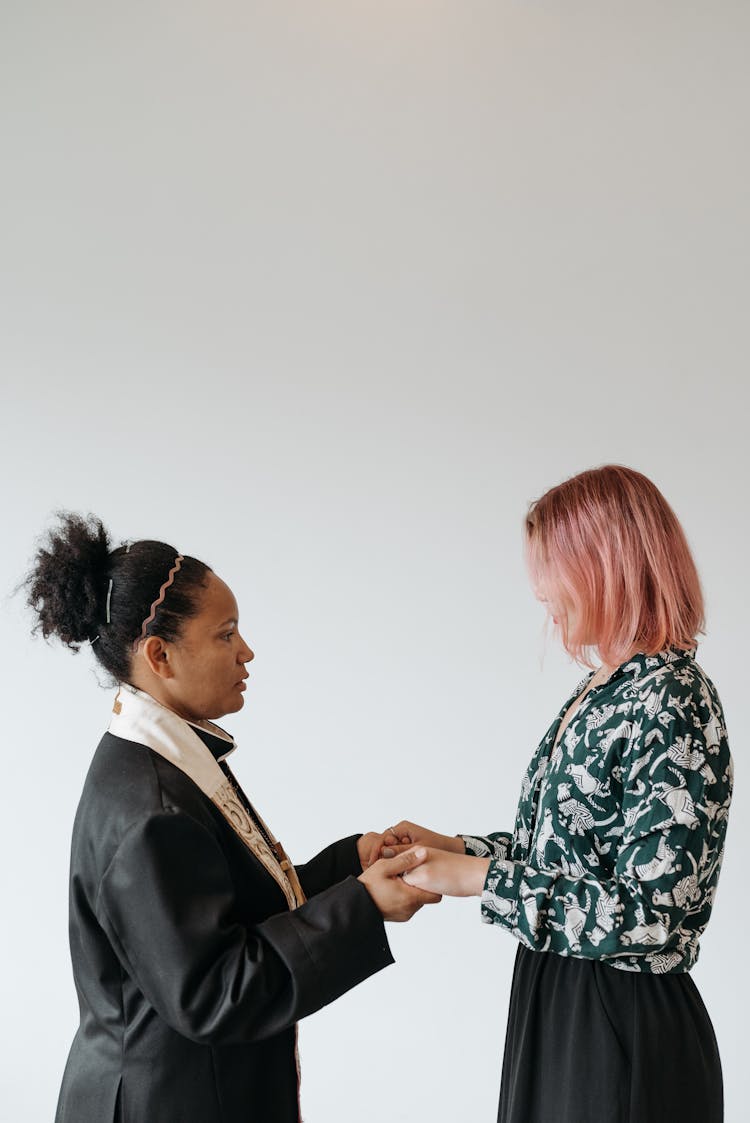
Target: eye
{"points": [[228, 635]]}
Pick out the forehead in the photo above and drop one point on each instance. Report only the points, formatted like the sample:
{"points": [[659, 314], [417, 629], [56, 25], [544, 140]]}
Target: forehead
{"points": [[218, 603]]}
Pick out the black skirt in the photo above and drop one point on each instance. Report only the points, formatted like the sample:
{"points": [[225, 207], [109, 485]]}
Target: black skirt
{"points": [[588, 1043]]}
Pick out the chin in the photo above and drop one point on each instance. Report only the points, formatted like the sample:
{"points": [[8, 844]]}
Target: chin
{"points": [[230, 704], [217, 712]]}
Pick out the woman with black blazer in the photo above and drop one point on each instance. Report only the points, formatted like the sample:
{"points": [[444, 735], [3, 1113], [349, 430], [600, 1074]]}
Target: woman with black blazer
{"points": [[196, 944]]}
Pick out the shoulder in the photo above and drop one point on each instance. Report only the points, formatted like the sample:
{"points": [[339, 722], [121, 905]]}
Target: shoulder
{"points": [[133, 776], [674, 683], [678, 722], [128, 784]]}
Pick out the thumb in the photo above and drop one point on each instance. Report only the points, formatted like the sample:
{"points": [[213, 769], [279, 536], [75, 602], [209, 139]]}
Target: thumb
{"points": [[407, 861]]}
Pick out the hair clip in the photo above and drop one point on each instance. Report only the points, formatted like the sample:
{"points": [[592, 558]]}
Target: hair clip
{"points": [[109, 598], [93, 641]]}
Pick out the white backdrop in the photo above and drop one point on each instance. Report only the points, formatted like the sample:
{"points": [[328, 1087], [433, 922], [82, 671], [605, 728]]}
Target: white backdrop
{"points": [[324, 293]]}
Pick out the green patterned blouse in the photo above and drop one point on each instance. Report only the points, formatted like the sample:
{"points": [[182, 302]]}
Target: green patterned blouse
{"points": [[620, 829]]}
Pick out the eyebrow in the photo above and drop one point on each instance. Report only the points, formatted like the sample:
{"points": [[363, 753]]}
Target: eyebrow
{"points": [[231, 620]]}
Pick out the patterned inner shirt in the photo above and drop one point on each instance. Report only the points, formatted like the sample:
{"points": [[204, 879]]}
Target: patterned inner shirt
{"points": [[620, 829]]}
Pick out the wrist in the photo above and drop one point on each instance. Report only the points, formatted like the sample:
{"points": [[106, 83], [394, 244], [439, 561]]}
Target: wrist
{"points": [[477, 875]]}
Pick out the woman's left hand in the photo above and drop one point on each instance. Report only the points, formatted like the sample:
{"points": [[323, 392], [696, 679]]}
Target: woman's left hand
{"points": [[451, 875]]}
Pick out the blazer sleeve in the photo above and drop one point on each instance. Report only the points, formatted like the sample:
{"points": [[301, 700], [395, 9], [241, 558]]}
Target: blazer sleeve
{"points": [[337, 861], [166, 902]]}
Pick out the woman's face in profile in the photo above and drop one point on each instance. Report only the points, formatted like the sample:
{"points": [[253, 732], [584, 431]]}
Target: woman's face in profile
{"points": [[542, 589], [564, 616], [208, 661]]}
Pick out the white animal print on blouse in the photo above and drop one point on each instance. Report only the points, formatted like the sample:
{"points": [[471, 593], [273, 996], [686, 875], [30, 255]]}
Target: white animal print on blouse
{"points": [[620, 829]]}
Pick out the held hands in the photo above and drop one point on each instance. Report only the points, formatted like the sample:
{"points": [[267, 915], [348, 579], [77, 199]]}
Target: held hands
{"points": [[452, 875], [385, 881], [424, 861], [370, 847], [406, 833]]}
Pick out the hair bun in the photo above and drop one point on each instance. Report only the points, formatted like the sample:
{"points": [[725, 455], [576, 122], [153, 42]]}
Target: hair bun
{"points": [[67, 584]]}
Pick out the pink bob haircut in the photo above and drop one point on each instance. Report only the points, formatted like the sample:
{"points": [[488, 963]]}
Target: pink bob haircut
{"points": [[607, 545]]}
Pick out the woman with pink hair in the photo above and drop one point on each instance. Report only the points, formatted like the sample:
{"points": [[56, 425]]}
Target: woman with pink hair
{"points": [[608, 879]]}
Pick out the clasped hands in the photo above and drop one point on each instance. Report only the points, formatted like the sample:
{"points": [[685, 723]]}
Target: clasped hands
{"points": [[431, 865]]}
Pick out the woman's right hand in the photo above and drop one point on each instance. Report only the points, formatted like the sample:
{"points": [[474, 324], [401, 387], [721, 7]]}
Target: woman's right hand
{"points": [[395, 899], [406, 833]]}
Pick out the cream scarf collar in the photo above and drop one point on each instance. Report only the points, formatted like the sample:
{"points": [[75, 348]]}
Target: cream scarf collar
{"points": [[138, 717]]}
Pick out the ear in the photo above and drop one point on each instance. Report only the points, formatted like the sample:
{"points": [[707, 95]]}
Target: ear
{"points": [[156, 653]]}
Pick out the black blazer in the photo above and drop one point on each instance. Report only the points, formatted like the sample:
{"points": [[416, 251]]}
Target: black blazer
{"points": [[190, 969]]}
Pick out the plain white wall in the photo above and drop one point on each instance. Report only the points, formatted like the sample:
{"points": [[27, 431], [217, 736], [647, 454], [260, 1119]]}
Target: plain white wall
{"points": [[324, 293]]}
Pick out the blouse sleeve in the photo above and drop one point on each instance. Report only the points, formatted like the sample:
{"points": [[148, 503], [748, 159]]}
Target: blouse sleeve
{"points": [[677, 778], [496, 845], [167, 904]]}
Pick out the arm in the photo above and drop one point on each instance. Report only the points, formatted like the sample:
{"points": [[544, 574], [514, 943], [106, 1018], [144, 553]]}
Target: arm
{"points": [[396, 840], [167, 904], [659, 894], [496, 845], [406, 834], [339, 860], [676, 793], [348, 856]]}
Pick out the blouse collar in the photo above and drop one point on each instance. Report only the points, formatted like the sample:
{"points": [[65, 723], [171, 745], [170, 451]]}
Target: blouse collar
{"points": [[640, 665]]}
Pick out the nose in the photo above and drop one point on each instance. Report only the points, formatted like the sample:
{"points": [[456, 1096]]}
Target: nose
{"points": [[245, 653]]}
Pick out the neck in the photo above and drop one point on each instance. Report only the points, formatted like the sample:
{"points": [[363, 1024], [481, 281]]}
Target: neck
{"points": [[154, 688]]}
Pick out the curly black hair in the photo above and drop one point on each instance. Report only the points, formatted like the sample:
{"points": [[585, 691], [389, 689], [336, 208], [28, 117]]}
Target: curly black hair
{"points": [[69, 584]]}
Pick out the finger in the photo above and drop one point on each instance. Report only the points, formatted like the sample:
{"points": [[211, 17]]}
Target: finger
{"points": [[427, 898], [399, 848], [408, 860], [425, 893], [381, 842], [419, 897]]}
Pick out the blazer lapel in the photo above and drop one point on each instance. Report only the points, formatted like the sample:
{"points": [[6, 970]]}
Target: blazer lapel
{"points": [[139, 717]]}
